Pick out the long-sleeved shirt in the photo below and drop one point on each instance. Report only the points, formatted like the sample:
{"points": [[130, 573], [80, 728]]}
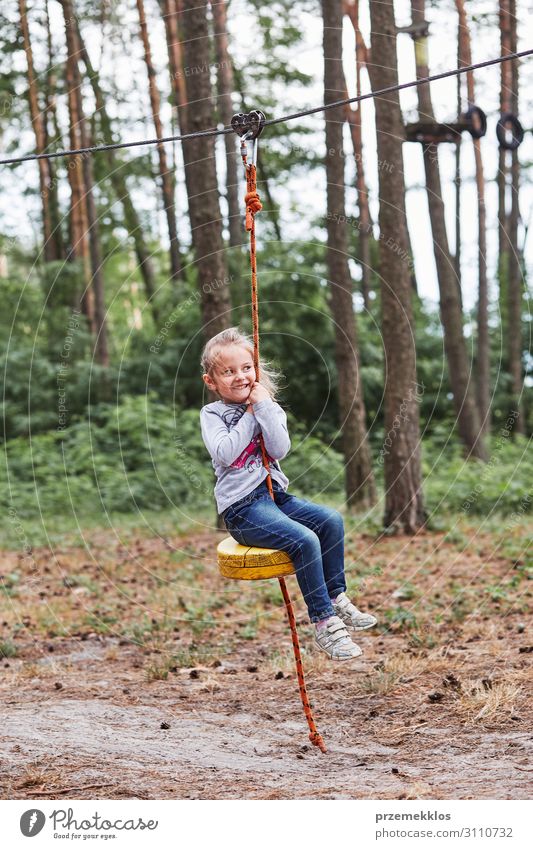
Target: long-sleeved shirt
{"points": [[231, 436]]}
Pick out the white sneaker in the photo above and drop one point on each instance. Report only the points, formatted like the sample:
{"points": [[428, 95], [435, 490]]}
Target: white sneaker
{"points": [[350, 615], [334, 639]]}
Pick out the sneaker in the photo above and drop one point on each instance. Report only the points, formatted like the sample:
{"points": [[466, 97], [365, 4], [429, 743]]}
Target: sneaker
{"points": [[350, 615], [334, 639]]}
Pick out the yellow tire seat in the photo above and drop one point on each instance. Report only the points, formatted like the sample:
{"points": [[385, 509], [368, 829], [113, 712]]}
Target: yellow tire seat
{"points": [[246, 563]]}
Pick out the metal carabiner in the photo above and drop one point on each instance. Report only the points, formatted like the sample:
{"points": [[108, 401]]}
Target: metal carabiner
{"points": [[253, 139]]}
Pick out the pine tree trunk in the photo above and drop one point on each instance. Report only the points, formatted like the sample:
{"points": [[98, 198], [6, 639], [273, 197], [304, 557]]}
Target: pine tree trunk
{"points": [[404, 508], [354, 118], [364, 229], [167, 182], [506, 84], [50, 118], [40, 142], [100, 323], [92, 229], [226, 87], [360, 486], [483, 335], [118, 181], [483, 338], [515, 270], [458, 150], [170, 12], [514, 300], [200, 171], [78, 224], [450, 303]]}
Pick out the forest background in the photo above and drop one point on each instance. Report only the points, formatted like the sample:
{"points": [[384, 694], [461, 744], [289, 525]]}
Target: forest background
{"points": [[394, 254], [103, 327]]}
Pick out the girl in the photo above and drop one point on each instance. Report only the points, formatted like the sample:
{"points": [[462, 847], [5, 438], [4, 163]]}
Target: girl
{"points": [[312, 535]]}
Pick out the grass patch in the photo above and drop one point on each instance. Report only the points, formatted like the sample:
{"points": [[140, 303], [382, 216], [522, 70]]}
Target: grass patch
{"points": [[400, 619], [7, 649], [159, 670], [197, 655], [396, 669], [8, 584], [485, 701]]}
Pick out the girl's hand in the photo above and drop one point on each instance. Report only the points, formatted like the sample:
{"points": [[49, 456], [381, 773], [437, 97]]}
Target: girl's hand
{"points": [[258, 393]]}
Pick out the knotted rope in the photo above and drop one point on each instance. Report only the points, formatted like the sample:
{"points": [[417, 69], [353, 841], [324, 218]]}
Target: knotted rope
{"points": [[253, 206]]}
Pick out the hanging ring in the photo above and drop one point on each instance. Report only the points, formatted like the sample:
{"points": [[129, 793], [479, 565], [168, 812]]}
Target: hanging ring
{"points": [[509, 123], [477, 121]]}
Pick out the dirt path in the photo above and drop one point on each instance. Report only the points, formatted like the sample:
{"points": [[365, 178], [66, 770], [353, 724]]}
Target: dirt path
{"points": [[118, 752], [84, 715]]}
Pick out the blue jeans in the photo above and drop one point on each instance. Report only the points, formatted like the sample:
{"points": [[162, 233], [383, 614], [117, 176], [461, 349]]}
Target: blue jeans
{"points": [[312, 535]]}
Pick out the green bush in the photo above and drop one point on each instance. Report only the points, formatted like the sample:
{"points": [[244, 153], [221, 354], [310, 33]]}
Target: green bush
{"points": [[502, 485], [143, 455], [312, 466], [137, 455]]}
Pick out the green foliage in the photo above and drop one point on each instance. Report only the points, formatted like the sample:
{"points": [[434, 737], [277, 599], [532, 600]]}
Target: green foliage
{"points": [[400, 618], [8, 584], [137, 455], [312, 467], [503, 485], [144, 451], [297, 336], [7, 649], [142, 455]]}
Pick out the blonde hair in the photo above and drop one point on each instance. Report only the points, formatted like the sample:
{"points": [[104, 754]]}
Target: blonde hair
{"points": [[268, 377]]}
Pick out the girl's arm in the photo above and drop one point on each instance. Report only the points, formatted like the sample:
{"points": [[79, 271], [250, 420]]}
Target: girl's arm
{"points": [[223, 445], [272, 420]]}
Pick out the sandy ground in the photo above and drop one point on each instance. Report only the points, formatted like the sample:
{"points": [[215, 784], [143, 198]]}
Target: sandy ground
{"points": [[102, 715]]}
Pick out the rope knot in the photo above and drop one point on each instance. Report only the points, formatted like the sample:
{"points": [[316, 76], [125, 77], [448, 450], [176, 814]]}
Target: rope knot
{"points": [[253, 206]]}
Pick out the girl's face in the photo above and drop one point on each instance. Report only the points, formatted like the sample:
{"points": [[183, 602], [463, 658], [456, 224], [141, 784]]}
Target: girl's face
{"points": [[233, 374]]}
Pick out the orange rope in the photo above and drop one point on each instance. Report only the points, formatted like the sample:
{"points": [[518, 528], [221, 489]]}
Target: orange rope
{"points": [[253, 206]]}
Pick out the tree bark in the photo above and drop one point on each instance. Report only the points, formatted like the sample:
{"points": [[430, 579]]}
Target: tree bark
{"points": [[96, 282], [50, 252], [514, 299], [95, 247], [50, 115], [226, 87], [515, 269], [170, 13], [78, 224], [506, 84], [483, 338], [354, 118], [118, 181], [359, 478], [458, 149], [167, 181], [450, 304], [404, 509], [200, 171]]}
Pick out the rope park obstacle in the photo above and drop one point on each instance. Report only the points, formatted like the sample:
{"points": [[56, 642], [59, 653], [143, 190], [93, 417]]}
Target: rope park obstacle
{"points": [[248, 562], [507, 124]]}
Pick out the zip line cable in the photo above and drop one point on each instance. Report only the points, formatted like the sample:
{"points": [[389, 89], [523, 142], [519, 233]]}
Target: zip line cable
{"points": [[269, 123]]}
